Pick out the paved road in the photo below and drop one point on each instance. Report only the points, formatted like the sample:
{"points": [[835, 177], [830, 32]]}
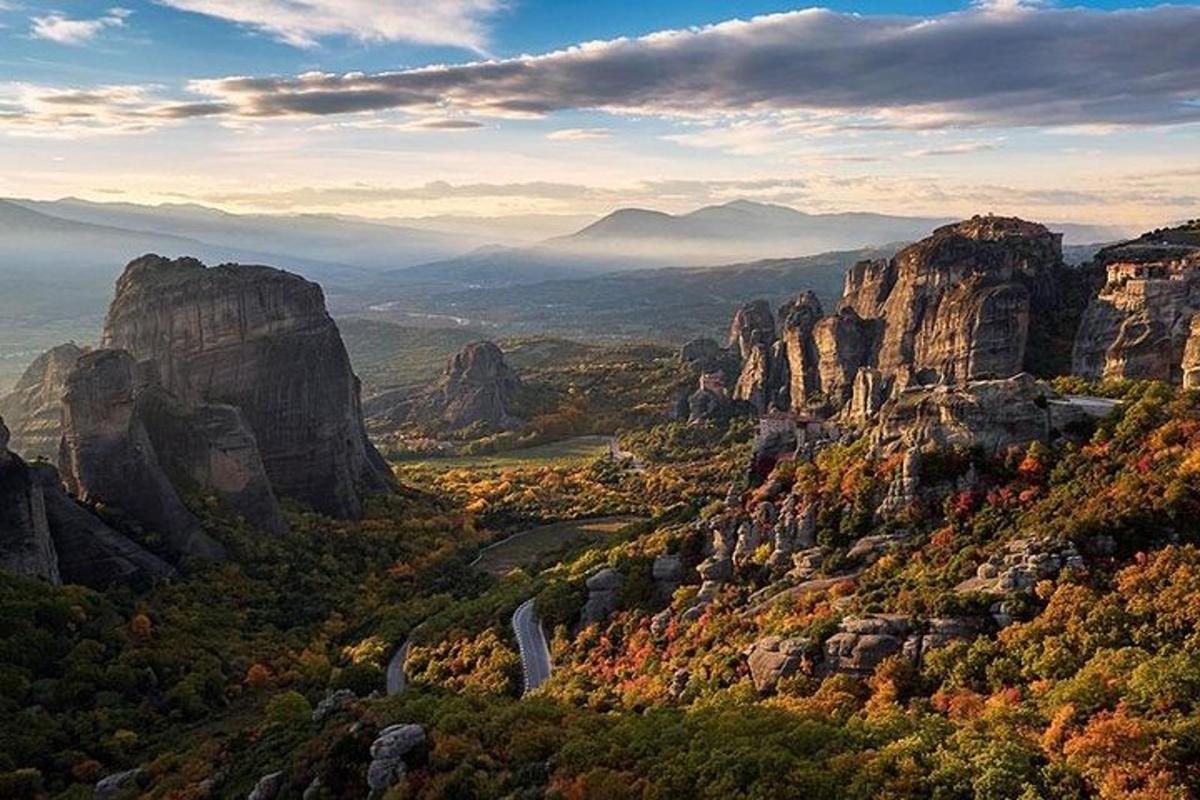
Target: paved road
{"points": [[396, 681], [535, 654]]}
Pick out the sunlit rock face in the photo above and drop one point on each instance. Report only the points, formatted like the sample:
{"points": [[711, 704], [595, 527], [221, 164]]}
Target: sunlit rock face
{"points": [[1142, 322], [260, 340], [956, 307], [33, 408]]}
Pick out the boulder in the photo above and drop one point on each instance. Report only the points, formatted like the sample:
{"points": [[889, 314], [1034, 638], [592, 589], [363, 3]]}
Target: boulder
{"points": [[333, 703], [667, 572], [700, 353], [773, 658], [118, 783], [267, 788], [604, 589], [863, 643], [390, 752], [260, 340]]}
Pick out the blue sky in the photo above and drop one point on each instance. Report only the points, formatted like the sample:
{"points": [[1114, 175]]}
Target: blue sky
{"points": [[1013, 105]]}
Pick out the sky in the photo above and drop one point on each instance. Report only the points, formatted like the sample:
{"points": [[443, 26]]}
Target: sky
{"points": [[1056, 111]]}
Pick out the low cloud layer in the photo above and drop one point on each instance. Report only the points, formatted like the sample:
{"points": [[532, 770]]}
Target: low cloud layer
{"points": [[1003, 65]]}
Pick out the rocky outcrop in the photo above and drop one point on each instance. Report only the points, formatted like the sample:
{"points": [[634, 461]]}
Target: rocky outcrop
{"points": [[390, 754], [33, 409], [753, 324], [701, 354], [89, 551], [862, 643], [26, 546], [267, 788], [604, 589], [667, 572], [956, 307], [45, 534], [1190, 366], [773, 658], [991, 414], [109, 458], [118, 784], [902, 491], [1140, 323], [1021, 564], [260, 340], [478, 388]]}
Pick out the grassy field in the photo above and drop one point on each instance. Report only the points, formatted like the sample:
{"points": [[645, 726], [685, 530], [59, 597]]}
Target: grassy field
{"points": [[528, 547], [581, 449]]}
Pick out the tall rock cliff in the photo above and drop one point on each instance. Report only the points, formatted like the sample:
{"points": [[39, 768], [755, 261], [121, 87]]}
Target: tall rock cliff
{"points": [[45, 534], [109, 458], [26, 546], [34, 407], [1141, 321], [956, 307], [260, 340]]}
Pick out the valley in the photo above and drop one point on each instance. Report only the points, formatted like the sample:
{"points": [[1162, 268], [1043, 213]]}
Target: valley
{"points": [[545, 562]]}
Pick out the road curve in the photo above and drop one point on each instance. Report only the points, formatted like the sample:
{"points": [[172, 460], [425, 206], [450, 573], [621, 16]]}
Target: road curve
{"points": [[396, 681], [535, 654]]}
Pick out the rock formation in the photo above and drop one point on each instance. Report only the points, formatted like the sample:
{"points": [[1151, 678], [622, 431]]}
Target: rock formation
{"points": [[752, 324], [108, 456], [773, 658], [992, 414], [33, 409], [45, 534], [956, 307], [260, 340], [26, 546], [1141, 322], [604, 589], [391, 752], [477, 387]]}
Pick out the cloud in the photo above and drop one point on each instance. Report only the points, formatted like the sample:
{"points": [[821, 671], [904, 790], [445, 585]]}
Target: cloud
{"points": [[57, 28], [458, 23], [799, 74], [579, 134], [967, 69], [964, 148]]}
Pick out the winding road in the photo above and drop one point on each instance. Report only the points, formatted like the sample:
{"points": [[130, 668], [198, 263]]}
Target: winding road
{"points": [[535, 653]]}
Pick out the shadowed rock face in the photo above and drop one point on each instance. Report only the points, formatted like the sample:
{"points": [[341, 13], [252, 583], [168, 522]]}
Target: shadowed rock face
{"points": [[33, 409], [26, 547], [108, 456], [45, 534], [260, 340]]}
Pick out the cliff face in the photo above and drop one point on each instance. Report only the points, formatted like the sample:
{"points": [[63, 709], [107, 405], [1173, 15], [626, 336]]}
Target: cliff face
{"points": [[109, 458], [260, 340], [25, 543], [958, 306], [34, 409], [1140, 323], [45, 534]]}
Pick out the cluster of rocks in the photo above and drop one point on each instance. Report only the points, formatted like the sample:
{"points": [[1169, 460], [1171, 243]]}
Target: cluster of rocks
{"points": [[476, 389], [857, 648], [1021, 565], [953, 308]]}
